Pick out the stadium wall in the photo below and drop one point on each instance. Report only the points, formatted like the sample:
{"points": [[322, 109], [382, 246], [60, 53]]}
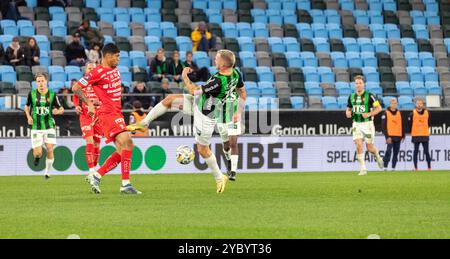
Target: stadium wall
{"points": [[258, 154], [287, 123]]}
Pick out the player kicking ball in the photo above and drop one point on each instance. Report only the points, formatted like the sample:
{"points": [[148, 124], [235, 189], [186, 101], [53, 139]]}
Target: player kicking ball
{"points": [[229, 130], [106, 82], [361, 108], [42, 104], [91, 129]]}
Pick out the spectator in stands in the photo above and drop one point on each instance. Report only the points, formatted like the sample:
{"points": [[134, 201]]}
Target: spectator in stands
{"points": [[94, 54], [175, 68], [137, 91], [32, 53], [202, 39], [126, 103], [66, 101], [10, 11], [90, 35], [198, 74], [15, 53], [158, 67], [75, 52], [154, 100], [137, 116], [2, 55]]}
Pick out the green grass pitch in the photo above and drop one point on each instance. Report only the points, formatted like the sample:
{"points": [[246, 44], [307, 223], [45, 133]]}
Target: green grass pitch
{"points": [[285, 205]]}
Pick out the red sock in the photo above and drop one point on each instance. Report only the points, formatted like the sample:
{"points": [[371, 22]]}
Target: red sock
{"points": [[126, 164], [90, 155], [96, 155], [110, 164]]}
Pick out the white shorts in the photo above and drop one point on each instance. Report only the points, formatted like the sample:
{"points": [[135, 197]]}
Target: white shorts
{"points": [[364, 131], [229, 129], [39, 137], [203, 128]]}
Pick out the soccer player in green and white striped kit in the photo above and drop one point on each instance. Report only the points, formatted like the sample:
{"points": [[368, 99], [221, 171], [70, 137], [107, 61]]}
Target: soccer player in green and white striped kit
{"points": [[361, 108], [42, 104]]}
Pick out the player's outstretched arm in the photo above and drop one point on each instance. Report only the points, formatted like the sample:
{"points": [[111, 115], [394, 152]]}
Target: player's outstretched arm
{"points": [[190, 86]]}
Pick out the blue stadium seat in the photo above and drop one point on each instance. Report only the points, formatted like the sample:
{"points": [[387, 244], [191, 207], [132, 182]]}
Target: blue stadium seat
{"points": [[252, 89], [215, 4], [326, 75], [56, 85], [251, 104], [343, 88], [200, 4], [409, 45], [365, 44], [93, 4], [57, 73], [404, 88], [229, 4], [259, 16], [202, 59], [321, 44], [433, 88], [122, 29], [124, 17], [294, 59], [375, 5], [267, 89], [377, 31], [246, 44], [184, 43], [26, 31], [124, 59], [229, 30], [264, 74], [304, 4], [73, 72], [342, 102], [375, 16], [289, 16], [153, 29], [248, 59], [153, 43], [390, 5], [418, 17], [108, 3], [353, 59], [332, 16], [291, 44], [319, 30], [260, 30], [330, 103], [43, 42], [289, 5], [309, 59], [274, 16], [361, 17], [215, 17], [311, 75], [276, 44], [334, 31], [351, 45], [125, 74], [405, 102], [298, 102], [380, 45], [305, 31], [245, 29], [421, 31], [318, 16], [374, 88]]}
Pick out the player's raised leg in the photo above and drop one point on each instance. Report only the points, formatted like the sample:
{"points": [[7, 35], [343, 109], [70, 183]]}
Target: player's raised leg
{"points": [[157, 111], [372, 149]]}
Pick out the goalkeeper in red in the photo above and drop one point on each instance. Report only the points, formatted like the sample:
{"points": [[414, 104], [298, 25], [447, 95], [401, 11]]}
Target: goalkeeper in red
{"points": [[105, 79]]}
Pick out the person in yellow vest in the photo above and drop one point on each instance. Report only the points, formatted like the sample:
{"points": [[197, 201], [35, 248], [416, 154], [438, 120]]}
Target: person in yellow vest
{"points": [[419, 122], [202, 39], [393, 130], [136, 116]]}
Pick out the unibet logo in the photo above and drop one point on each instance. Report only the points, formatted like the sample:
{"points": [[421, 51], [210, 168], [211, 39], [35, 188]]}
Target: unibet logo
{"points": [[155, 158]]}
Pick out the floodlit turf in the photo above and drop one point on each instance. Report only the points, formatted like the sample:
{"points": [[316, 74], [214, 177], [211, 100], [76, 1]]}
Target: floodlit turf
{"points": [[288, 205]]}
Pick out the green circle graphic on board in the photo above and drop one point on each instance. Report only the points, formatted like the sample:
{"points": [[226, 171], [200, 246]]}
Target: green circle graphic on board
{"points": [[63, 158], [155, 158], [80, 159], [30, 161], [136, 158], [105, 153]]}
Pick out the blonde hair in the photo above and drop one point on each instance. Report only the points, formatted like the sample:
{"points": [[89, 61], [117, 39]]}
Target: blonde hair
{"points": [[359, 77], [228, 56]]}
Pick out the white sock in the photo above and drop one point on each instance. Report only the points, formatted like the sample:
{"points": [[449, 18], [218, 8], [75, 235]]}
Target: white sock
{"points": [[48, 165], [212, 164], [362, 162], [234, 162], [92, 170], [125, 182], [227, 154], [157, 111], [99, 176]]}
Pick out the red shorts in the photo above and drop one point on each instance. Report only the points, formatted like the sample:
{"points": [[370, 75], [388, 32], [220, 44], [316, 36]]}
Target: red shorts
{"points": [[89, 129], [112, 125]]}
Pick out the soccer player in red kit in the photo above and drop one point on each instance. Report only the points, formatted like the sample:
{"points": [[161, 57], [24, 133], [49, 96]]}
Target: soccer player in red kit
{"points": [[91, 129], [105, 79]]}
